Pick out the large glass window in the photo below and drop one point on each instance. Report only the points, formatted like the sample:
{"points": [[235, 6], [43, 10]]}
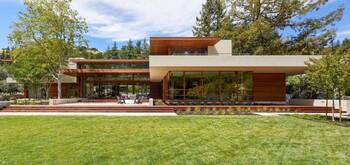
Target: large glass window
{"points": [[212, 84], [216, 86], [193, 85], [176, 86]]}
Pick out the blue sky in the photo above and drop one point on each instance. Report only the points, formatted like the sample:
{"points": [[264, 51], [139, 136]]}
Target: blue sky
{"points": [[120, 20]]}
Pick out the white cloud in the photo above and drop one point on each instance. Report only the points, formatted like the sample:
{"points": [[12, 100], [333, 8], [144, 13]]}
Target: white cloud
{"points": [[343, 34], [136, 19]]}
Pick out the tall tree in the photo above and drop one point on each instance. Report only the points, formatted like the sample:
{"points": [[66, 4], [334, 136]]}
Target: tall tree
{"points": [[55, 28], [145, 49], [114, 47], [29, 69], [3, 73], [255, 26], [138, 47], [211, 18], [331, 74]]}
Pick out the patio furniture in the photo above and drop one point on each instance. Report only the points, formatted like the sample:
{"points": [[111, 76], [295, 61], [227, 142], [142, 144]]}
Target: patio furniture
{"points": [[120, 100], [139, 99]]}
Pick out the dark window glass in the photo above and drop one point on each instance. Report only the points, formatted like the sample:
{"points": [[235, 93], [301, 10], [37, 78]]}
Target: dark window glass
{"points": [[193, 85], [176, 87], [215, 86], [212, 84]]}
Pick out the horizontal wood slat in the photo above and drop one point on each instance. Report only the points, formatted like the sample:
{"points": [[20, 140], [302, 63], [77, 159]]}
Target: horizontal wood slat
{"points": [[269, 87]]}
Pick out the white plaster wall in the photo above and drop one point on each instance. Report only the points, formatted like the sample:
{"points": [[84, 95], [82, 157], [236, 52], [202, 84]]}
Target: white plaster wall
{"points": [[222, 48], [345, 104], [71, 65]]}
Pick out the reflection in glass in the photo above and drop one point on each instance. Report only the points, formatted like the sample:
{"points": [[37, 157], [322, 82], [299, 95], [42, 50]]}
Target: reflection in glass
{"points": [[214, 86]]}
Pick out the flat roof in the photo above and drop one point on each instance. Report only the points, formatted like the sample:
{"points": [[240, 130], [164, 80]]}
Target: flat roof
{"points": [[293, 64], [108, 61], [161, 45]]}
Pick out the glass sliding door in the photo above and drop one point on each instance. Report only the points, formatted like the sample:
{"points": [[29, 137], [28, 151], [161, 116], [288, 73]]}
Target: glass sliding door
{"points": [[211, 86], [176, 86], [193, 85]]}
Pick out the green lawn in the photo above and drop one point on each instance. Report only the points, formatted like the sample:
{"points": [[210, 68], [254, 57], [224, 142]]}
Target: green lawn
{"points": [[172, 140]]}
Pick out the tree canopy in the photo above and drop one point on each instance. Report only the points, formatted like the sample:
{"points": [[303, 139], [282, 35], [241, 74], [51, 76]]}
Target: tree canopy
{"points": [[54, 30], [256, 26], [331, 73], [132, 49]]}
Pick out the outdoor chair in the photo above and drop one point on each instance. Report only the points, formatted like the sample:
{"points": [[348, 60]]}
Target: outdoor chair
{"points": [[139, 100], [120, 100]]}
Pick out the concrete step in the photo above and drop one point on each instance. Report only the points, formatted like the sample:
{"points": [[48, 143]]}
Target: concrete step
{"points": [[85, 109]]}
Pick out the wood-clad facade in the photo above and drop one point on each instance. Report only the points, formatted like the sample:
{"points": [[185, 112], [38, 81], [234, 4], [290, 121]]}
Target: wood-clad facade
{"points": [[269, 87], [185, 69]]}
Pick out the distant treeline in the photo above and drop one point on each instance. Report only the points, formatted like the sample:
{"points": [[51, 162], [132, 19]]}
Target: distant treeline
{"points": [[132, 50]]}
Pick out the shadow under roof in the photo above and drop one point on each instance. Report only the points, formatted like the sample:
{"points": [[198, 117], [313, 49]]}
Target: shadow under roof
{"points": [[108, 61], [161, 45]]}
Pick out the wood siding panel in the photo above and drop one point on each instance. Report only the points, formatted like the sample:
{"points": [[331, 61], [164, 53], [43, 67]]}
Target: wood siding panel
{"points": [[156, 90], [269, 87], [68, 90]]}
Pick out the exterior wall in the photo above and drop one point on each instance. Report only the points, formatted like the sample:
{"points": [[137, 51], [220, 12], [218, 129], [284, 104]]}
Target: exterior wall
{"points": [[68, 90], [161, 65], [345, 104], [269, 87], [156, 90], [222, 48]]}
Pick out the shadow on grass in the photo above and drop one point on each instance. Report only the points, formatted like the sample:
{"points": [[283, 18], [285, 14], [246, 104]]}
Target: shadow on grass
{"points": [[323, 119]]}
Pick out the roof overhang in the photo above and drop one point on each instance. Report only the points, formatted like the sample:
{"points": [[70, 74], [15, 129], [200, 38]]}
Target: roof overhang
{"points": [[161, 65], [161, 45], [108, 61], [91, 72]]}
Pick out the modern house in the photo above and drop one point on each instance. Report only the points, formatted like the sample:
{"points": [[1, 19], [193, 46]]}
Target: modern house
{"points": [[186, 70]]}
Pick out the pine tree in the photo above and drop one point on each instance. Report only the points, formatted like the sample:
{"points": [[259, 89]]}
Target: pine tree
{"points": [[114, 47], [254, 26], [145, 49], [138, 47], [211, 18]]}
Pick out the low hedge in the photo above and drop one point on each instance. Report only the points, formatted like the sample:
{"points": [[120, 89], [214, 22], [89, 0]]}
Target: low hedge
{"points": [[213, 111], [228, 111], [30, 102]]}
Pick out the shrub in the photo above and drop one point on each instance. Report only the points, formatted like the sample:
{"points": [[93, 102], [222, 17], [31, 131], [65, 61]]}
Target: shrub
{"points": [[30, 102]]}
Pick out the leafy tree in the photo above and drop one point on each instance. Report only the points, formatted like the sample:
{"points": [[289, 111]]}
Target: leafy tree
{"points": [[5, 53], [53, 27], [256, 38], [89, 53], [211, 18], [3, 73], [298, 86], [331, 74], [145, 49], [29, 69], [255, 26], [129, 51]]}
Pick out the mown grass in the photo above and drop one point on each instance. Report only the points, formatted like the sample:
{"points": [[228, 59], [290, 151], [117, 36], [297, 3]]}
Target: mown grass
{"points": [[172, 140]]}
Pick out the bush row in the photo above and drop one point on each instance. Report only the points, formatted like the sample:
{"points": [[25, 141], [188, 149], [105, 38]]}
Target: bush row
{"points": [[227, 111], [29, 102]]}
